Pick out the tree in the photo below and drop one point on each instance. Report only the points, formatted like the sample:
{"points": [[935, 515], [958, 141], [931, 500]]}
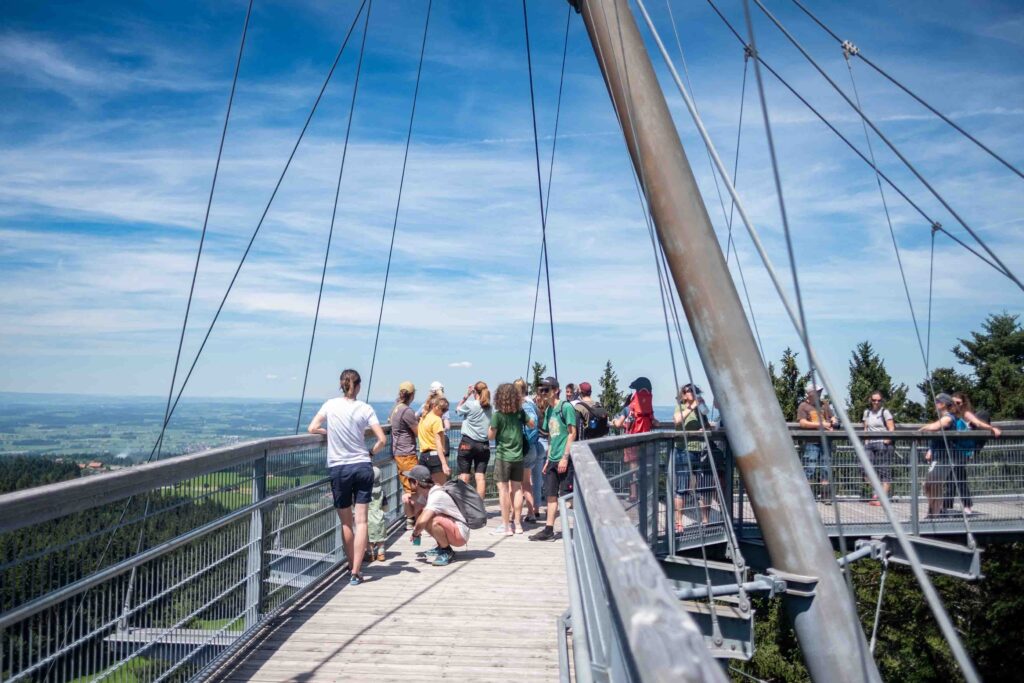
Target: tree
{"points": [[867, 375], [538, 374], [789, 385], [611, 398], [945, 380], [996, 358]]}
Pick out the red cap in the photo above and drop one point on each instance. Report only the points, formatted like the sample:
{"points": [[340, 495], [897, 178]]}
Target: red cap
{"points": [[585, 388]]}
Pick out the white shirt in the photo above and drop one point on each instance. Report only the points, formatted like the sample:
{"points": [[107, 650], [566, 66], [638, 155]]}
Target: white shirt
{"points": [[440, 502], [875, 421], [347, 422]]}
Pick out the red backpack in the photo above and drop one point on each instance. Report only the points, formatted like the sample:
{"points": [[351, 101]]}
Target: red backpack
{"points": [[641, 407]]}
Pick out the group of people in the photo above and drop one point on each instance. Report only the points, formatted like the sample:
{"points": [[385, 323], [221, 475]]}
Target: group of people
{"points": [[533, 436]]}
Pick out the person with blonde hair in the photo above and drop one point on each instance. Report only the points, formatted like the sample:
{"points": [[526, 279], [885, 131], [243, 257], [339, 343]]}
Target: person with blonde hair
{"points": [[349, 464], [506, 429], [475, 449], [404, 426], [431, 433], [533, 455]]}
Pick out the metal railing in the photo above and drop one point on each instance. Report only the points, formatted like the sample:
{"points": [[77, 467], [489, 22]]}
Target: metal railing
{"points": [[624, 616]]}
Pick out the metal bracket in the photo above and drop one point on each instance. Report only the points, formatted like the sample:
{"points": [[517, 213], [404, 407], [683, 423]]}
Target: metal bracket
{"points": [[940, 557], [796, 584], [749, 52], [850, 49]]}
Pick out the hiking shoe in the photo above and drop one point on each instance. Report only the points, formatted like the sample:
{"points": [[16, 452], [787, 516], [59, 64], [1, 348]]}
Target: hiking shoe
{"points": [[444, 557], [544, 534], [433, 552], [415, 540]]}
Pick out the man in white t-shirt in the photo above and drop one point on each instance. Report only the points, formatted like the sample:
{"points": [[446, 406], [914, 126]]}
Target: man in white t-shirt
{"points": [[441, 518]]}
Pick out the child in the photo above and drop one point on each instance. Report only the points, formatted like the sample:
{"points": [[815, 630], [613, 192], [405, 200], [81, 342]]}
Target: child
{"points": [[378, 528], [506, 430]]}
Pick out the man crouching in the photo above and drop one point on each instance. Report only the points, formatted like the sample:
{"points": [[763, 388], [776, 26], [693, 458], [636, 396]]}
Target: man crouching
{"points": [[439, 516]]}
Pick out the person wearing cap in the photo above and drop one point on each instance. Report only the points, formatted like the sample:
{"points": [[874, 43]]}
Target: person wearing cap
{"points": [[592, 421], [560, 420], [814, 413], [440, 517], [692, 464], [431, 434], [436, 391], [637, 417], [404, 426], [940, 503]]}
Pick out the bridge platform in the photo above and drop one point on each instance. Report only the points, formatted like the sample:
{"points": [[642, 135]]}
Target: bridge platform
{"points": [[488, 616]]}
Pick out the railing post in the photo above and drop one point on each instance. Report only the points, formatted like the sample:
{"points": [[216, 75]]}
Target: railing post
{"points": [[915, 525], [642, 502], [670, 499], [256, 564]]}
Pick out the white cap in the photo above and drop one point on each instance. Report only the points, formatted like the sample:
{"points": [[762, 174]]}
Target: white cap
{"points": [[811, 386], [436, 387]]}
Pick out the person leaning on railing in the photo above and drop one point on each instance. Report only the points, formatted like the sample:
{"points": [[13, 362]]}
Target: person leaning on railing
{"points": [[404, 425], [963, 451], [877, 418], [349, 463], [939, 504]]}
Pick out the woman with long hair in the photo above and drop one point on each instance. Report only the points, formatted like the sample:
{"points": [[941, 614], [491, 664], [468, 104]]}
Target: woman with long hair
{"points": [[506, 430], [475, 449], [533, 456], [963, 449], [349, 463], [431, 435], [404, 425]]}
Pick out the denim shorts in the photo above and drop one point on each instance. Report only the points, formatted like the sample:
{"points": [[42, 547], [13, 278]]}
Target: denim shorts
{"points": [[815, 459], [531, 455], [351, 482]]}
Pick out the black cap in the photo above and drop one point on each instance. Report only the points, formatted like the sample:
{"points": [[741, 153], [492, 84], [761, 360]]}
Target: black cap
{"points": [[692, 388], [549, 382], [419, 473], [642, 383]]}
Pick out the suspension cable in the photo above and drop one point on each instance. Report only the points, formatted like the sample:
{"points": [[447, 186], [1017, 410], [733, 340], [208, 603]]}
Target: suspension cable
{"points": [[547, 200], [803, 100], [540, 187], [181, 340], [398, 202], [878, 605], [334, 211], [263, 216], [906, 162], [931, 596], [906, 289], [901, 86]]}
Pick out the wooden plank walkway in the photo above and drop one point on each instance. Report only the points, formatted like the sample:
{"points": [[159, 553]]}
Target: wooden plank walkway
{"points": [[488, 616]]}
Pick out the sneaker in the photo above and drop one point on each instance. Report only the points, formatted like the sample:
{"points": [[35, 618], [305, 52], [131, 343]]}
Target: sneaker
{"points": [[433, 552], [410, 523], [874, 503], [416, 540], [519, 529], [968, 511], [544, 534], [356, 580], [531, 519], [381, 556], [444, 558], [498, 530]]}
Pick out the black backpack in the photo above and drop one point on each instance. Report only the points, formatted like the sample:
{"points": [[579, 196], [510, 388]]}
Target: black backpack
{"points": [[469, 502], [593, 422]]}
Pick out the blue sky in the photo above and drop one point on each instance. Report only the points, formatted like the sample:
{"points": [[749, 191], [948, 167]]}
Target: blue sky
{"points": [[112, 113]]}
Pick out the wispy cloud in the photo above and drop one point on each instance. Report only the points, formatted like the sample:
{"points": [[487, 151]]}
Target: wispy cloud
{"points": [[461, 364]]}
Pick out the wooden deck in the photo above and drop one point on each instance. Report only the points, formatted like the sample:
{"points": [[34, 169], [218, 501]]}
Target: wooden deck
{"points": [[488, 616]]}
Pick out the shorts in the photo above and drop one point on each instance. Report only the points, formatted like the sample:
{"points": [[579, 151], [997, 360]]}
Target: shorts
{"points": [[815, 459], [881, 455], [451, 530], [473, 455], [557, 484], [351, 482], [404, 463], [691, 465], [508, 470], [432, 461]]}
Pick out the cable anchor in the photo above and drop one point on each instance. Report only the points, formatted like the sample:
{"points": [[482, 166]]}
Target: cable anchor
{"points": [[936, 226], [748, 52], [850, 49]]}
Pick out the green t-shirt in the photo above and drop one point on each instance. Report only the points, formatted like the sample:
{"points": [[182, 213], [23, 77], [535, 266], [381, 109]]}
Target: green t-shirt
{"points": [[509, 435], [558, 420], [691, 423]]}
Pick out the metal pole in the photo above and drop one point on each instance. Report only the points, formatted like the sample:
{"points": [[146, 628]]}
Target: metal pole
{"points": [[833, 644]]}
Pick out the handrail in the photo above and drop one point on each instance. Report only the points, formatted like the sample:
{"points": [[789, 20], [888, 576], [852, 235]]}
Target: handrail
{"points": [[658, 640]]}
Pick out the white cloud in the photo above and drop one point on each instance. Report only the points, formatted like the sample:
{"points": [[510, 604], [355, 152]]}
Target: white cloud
{"points": [[271, 377], [461, 364]]}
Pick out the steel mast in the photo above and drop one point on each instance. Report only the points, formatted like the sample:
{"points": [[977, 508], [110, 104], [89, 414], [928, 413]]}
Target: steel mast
{"points": [[818, 603]]}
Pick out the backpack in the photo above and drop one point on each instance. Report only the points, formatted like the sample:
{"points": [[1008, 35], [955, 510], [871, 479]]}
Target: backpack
{"points": [[469, 502], [593, 422], [642, 409]]}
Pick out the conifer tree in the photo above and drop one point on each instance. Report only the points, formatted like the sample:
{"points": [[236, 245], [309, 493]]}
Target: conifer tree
{"points": [[538, 374], [789, 384], [611, 398], [868, 375], [996, 358]]}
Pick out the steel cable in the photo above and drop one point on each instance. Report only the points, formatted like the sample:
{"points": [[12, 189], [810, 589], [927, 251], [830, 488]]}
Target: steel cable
{"points": [[398, 203], [540, 187], [334, 211]]}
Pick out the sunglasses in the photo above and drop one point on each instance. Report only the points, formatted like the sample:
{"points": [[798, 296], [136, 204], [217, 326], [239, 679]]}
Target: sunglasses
{"points": [[876, 400], [422, 485]]}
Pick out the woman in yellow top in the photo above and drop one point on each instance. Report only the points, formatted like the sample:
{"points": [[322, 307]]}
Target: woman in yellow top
{"points": [[431, 441]]}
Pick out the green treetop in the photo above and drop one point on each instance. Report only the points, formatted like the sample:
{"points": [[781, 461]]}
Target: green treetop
{"points": [[611, 398], [996, 358], [789, 384], [538, 374], [868, 375]]}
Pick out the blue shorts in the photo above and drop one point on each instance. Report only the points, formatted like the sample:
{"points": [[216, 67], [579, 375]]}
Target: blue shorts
{"points": [[815, 459], [351, 482], [532, 455]]}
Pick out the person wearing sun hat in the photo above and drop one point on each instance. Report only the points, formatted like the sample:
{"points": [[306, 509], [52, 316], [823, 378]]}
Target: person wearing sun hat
{"points": [[403, 445]]}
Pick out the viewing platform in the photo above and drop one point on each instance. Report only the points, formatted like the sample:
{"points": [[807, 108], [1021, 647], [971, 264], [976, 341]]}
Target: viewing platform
{"points": [[488, 616]]}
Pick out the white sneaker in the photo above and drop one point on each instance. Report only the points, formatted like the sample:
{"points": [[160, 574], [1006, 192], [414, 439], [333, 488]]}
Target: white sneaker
{"points": [[498, 530]]}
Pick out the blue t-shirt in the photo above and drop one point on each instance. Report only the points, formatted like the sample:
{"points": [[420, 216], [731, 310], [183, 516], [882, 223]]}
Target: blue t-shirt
{"points": [[532, 434]]}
